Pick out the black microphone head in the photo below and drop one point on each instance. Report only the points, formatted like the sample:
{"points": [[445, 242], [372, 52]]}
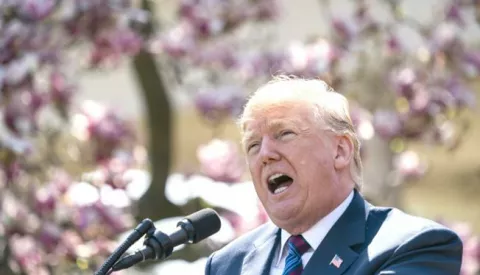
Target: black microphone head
{"points": [[202, 224]]}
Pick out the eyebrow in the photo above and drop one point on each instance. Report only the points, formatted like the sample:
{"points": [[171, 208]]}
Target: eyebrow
{"points": [[281, 123], [275, 124]]}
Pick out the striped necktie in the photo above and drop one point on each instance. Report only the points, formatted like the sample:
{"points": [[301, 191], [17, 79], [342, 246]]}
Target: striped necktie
{"points": [[297, 245]]}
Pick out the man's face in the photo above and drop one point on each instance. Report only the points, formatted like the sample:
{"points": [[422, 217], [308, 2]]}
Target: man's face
{"points": [[291, 161]]}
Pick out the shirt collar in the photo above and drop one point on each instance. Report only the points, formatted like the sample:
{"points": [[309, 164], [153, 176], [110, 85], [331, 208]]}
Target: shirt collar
{"points": [[315, 235]]}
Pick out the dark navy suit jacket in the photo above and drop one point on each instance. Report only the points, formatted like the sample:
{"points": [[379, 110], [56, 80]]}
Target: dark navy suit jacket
{"points": [[368, 240]]}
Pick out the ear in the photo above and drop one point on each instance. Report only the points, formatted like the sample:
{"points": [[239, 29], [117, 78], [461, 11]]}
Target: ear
{"points": [[344, 152]]}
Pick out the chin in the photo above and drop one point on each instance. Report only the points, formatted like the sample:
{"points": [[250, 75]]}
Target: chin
{"points": [[284, 218], [292, 227]]}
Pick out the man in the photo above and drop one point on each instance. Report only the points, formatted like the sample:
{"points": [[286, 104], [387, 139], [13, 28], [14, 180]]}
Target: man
{"points": [[303, 156]]}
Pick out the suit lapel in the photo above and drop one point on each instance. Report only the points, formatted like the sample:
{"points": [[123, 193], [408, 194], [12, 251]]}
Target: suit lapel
{"points": [[334, 255], [259, 259]]}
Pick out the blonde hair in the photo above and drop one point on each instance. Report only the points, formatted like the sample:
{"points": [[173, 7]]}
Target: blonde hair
{"points": [[329, 107]]}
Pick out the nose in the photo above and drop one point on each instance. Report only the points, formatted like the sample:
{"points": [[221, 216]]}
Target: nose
{"points": [[268, 151]]}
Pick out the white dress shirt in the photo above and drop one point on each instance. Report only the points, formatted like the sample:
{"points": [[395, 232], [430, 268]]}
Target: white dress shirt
{"points": [[314, 236]]}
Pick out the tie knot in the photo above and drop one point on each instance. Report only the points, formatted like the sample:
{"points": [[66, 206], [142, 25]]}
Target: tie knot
{"points": [[299, 243]]}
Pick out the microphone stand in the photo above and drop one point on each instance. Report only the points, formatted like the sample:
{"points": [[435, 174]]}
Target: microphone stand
{"points": [[144, 227], [160, 244]]}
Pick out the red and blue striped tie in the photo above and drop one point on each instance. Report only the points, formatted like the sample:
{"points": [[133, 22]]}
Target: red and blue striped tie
{"points": [[297, 245]]}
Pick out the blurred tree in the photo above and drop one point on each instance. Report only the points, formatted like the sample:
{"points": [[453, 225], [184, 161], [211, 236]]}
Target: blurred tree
{"points": [[70, 185], [67, 171]]}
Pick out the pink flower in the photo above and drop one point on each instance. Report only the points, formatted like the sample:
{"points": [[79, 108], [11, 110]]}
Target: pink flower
{"points": [[409, 165], [220, 160], [36, 9], [27, 254], [103, 127], [387, 123], [220, 103]]}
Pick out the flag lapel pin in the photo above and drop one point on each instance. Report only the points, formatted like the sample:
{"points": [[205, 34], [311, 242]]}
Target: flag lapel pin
{"points": [[336, 261]]}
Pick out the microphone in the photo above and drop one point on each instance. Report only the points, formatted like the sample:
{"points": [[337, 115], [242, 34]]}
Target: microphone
{"points": [[158, 245]]}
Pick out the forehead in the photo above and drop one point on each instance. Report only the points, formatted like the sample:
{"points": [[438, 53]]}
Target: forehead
{"points": [[268, 116]]}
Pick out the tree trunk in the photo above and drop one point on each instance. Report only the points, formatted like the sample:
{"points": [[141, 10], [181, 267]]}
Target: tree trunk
{"points": [[4, 256], [5, 270], [154, 204]]}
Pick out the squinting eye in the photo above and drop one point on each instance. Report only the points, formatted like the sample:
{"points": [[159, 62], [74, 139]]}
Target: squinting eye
{"points": [[286, 132], [250, 147]]}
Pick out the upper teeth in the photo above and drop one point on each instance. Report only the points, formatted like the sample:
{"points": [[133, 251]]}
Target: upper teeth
{"points": [[274, 177]]}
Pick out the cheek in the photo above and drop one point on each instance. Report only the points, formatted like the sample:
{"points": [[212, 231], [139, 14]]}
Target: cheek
{"points": [[324, 160], [256, 175], [303, 162], [251, 166], [315, 164], [254, 169]]}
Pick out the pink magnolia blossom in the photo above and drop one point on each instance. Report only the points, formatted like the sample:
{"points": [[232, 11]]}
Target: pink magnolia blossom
{"points": [[409, 165], [220, 160]]}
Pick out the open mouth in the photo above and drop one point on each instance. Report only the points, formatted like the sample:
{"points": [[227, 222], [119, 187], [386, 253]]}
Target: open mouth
{"points": [[278, 183]]}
